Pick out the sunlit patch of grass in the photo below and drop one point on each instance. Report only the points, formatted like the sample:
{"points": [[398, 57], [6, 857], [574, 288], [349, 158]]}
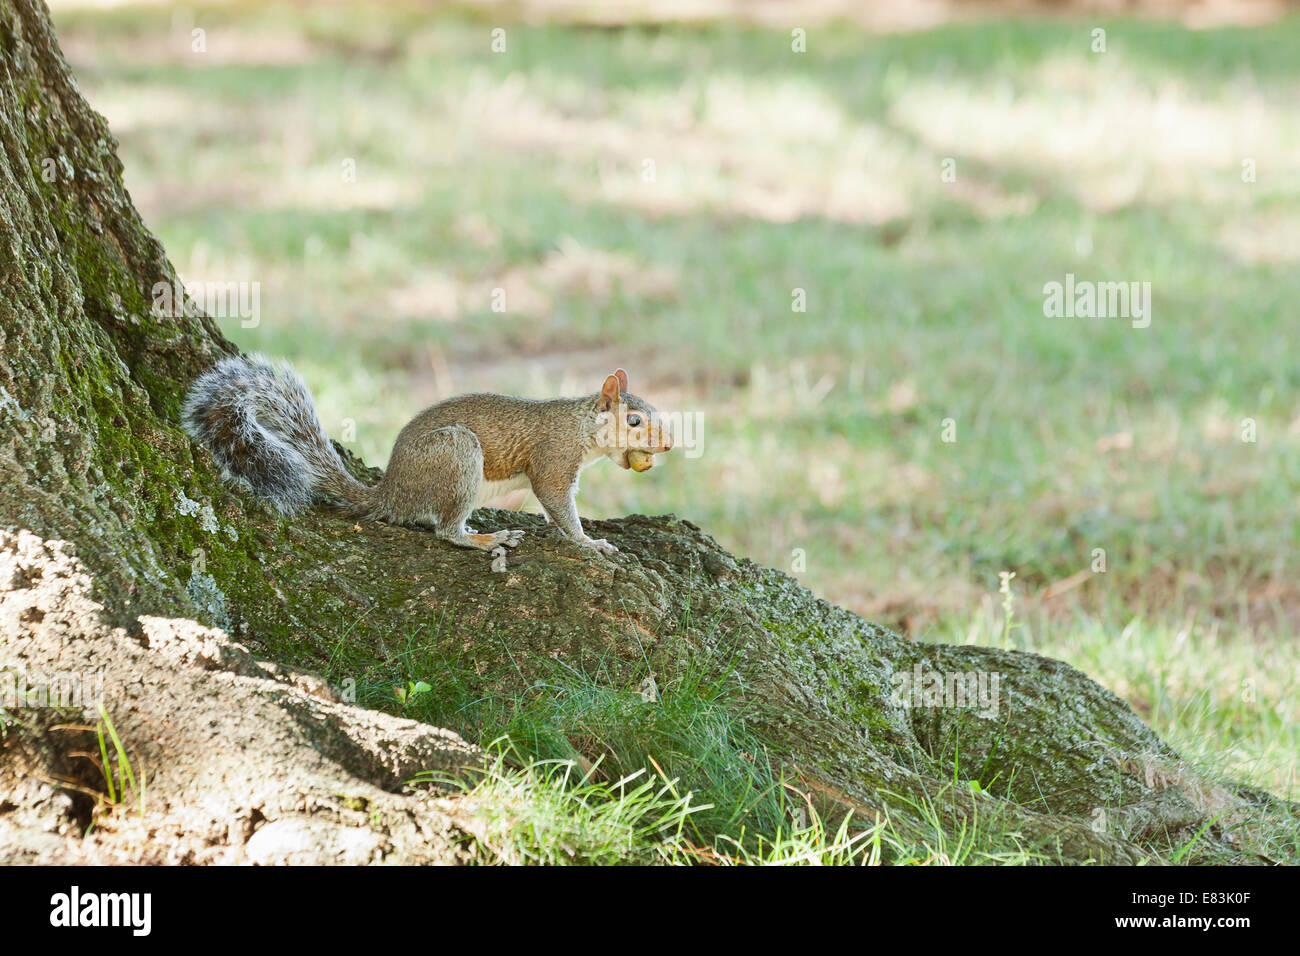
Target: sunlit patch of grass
{"points": [[1103, 133], [549, 813]]}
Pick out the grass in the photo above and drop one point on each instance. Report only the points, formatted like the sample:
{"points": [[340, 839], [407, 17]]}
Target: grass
{"points": [[547, 813], [704, 789], [550, 813], [126, 782], [823, 446], [684, 727]]}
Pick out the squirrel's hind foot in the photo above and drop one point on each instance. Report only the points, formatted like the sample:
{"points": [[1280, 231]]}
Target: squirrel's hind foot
{"points": [[468, 538]]}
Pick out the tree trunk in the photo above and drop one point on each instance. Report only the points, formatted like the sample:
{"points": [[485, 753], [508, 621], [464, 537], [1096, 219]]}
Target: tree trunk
{"points": [[122, 554]]}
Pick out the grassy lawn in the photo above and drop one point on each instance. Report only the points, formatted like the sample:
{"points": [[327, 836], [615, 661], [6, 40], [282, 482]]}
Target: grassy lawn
{"points": [[653, 197]]}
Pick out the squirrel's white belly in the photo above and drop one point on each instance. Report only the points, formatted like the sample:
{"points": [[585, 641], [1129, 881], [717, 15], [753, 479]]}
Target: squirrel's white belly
{"points": [[490, 490]]}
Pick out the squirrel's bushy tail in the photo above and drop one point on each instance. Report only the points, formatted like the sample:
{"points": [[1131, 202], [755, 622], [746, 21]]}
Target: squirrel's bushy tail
{"points": [[259, 422]]}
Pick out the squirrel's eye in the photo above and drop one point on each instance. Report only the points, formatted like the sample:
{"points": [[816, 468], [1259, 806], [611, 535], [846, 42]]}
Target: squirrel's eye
{"points": [[633, 420]]}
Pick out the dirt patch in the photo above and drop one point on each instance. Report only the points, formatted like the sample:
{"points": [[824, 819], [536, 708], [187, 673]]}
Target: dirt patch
{"points": [[233, 760]]}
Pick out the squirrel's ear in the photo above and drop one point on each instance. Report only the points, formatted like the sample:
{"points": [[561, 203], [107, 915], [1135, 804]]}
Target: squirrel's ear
{"points": [[608, 393], [622, 378]]}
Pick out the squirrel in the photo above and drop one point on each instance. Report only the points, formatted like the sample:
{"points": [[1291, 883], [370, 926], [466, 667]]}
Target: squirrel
{"points": [[259, 422]]}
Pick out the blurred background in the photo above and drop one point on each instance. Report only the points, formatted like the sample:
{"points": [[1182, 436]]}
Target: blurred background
{"points": [[650, 185]]}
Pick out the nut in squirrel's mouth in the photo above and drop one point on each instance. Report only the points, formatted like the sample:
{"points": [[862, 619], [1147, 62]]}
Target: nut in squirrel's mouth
{"points": [[637, 460]]}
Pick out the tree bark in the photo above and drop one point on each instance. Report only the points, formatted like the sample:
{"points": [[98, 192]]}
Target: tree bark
{"points": [[123, 554]]}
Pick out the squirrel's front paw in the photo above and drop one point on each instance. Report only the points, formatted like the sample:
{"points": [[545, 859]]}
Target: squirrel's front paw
{"points": [[601, 545]]}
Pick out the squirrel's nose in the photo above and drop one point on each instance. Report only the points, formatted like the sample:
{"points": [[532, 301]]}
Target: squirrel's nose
{"points": [[667, 442]]}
